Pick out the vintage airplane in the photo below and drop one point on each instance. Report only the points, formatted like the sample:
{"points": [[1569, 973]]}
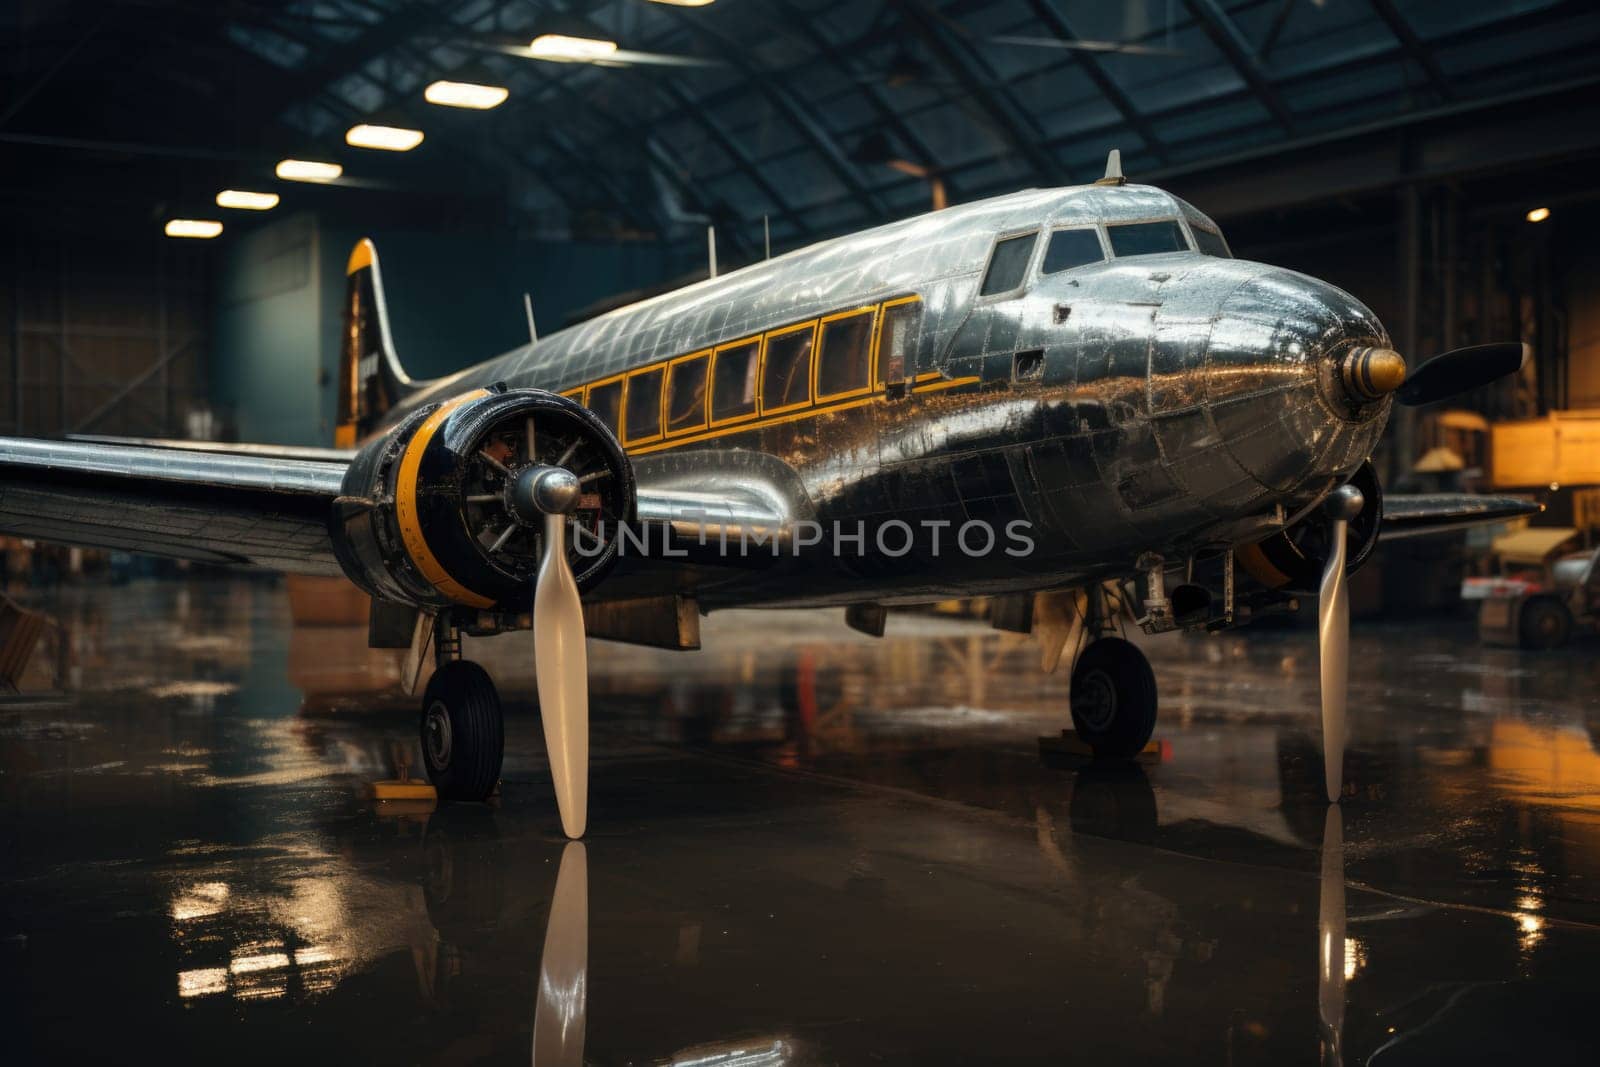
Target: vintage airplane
{"points": [[1089, 362]]}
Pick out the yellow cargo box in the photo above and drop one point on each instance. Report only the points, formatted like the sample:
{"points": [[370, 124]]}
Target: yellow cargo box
{"points": [[1561, 448]]}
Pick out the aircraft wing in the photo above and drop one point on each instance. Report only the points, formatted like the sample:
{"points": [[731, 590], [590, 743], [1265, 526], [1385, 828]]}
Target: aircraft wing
{"points": [[267, 506], [1413, 515], [329, 455], [267, 510]]}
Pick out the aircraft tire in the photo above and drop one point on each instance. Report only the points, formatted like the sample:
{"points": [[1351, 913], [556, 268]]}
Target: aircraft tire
{"points": [[1113, 698], [463, 732]]}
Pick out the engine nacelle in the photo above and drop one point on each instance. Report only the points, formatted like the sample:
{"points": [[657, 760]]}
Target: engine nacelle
{"points": [[425, 514], [1292, 560]]}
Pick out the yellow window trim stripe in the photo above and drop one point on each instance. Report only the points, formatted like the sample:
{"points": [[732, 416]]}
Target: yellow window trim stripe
{"points": [[711, 377], [622, 417], [877, 339], [705, 395], [950, 383], [925, 382], [792, 416], [746, 427], [817, 352], [405, 508], [761, 375]]}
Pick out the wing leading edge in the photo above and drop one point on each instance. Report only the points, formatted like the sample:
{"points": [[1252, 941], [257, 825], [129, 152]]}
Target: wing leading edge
{"points": [[268, 511], [1412, 515]]}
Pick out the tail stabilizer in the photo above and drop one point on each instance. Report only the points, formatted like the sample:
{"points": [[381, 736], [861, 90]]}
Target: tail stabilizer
{"points": [[371, 380]]}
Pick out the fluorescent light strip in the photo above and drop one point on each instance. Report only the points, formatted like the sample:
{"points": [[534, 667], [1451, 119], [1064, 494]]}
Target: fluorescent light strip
{"points": [[193, 228], [244, 200], [307, 170], [559, 46], [465, 94], [387, 138]]}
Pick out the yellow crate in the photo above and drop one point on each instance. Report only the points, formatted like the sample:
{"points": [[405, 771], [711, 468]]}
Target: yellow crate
{"points": [[1563, 448]]}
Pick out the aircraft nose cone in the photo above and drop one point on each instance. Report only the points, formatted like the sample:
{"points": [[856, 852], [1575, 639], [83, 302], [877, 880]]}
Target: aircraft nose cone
{"points": [[1372, 373], [1295, 370]]}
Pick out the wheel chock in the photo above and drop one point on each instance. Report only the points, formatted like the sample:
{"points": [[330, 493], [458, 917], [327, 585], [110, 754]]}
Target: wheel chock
{"points": [[1069, 744], [404, 787]]}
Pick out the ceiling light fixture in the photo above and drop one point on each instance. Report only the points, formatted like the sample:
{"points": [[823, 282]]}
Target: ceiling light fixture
{"points": [[386, 138], [566, 49], [465, 94], [244, 200], [1538, 214], [201, 228], [307, 170], [684, 3]]}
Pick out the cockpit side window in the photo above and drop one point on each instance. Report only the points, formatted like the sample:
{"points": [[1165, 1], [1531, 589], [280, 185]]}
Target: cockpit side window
{"points": [[1146, 238], [1210, 242], [1071, 248], [1008, 264]]}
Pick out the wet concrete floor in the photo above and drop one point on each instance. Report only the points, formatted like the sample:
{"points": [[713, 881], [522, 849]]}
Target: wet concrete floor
{"points": [[806, 847]]}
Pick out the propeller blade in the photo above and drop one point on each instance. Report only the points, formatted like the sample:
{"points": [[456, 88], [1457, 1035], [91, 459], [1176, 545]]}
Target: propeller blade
{"points": [[560, 1016], [1333, 639], [1461, 369], [562, 664]]}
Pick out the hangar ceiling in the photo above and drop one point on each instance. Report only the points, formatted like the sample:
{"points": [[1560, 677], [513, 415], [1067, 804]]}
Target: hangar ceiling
{"points": [[821, 115]]}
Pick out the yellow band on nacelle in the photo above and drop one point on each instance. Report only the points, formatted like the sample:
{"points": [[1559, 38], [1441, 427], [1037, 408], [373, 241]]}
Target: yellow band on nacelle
{"points": [[405, 508], [1256, 564]]}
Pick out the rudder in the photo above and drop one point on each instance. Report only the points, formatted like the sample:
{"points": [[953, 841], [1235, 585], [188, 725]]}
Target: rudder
{"points": [[371, 380]]}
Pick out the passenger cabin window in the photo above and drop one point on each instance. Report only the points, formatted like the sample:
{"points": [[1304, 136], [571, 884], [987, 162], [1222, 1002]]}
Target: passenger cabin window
{"points": [[844, 355], [733, 381], [1146, 238], [1071, 248], [644, 405], [786, 373], [605, 400], [1008, 264], [1210, 242], [686, 394], [897, 340]]}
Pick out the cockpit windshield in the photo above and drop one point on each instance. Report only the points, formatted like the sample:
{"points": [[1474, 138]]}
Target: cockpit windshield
{"points": [[1071, 248], [1210, 242], [1146, 238]]}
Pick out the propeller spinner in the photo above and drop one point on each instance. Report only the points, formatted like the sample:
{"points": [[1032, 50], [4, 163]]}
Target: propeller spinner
{"points": [[1369, 374]]}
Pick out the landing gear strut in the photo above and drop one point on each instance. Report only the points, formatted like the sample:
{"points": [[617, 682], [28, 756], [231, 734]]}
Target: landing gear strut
{"points": [[463, 732], [1113, 692]]}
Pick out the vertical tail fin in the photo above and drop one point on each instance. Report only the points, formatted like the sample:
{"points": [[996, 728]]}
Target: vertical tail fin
{"points": [[371, 380]]}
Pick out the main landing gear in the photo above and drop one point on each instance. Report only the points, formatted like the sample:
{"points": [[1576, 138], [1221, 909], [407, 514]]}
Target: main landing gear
{"points": [[1113, 693], [1114, 698], [463, 731]]}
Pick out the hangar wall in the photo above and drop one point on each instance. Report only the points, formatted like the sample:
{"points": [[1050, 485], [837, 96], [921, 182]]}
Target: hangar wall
{"points": [[105, 332], [454, 299]]}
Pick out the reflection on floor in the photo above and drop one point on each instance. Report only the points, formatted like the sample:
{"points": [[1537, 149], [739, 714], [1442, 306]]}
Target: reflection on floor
{"points": [[807, 846]]}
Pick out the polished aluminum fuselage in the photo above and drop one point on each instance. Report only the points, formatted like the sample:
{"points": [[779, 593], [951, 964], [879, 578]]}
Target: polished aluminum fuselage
{"points": [[1170, 403]]}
